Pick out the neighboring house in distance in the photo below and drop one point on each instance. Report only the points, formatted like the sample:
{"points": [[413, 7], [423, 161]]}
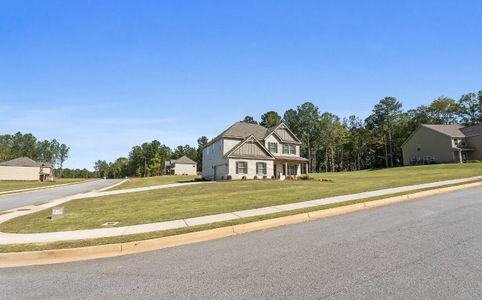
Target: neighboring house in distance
{"points": [[443, 144], [24, 168], [249, 150], [181, 166]]}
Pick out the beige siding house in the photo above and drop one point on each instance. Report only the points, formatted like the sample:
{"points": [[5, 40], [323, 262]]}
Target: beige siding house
{"points": [[443, 144], [23, 168], [250, 151], [181, 166]]}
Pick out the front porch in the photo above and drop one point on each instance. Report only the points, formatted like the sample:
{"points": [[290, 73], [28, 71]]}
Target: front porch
{"points": [[287, 167], [461, 154]]}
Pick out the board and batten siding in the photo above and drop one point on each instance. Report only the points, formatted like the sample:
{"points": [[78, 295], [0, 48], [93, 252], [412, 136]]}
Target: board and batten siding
{"points": [[284, 134], [250, 148], [19, 173], [427, 142]]}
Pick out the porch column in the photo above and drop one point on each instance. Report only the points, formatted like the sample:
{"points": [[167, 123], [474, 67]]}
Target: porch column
{"points": [[306, 168], [286, 169], [460, 156]]}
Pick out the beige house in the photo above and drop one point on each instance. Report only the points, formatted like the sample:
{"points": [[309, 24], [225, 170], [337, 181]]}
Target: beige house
{"points": [[247, 151], [181, 166], [443, 144], [23, 168]]}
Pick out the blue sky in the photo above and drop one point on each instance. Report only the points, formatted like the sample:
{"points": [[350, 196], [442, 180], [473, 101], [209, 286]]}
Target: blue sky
{"points": [[102, 76]]}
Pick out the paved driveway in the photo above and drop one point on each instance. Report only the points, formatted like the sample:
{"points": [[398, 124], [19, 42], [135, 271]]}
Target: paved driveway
{"points": [[35, 197], [423, 249]]}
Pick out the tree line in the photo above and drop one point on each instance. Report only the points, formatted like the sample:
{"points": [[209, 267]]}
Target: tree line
{"points": [[331, 143], [334, 144], [16, 145], [148, 159]]}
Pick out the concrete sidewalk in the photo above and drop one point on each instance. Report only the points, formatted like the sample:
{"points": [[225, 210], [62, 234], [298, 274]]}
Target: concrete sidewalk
{"points": [[14, 238]]}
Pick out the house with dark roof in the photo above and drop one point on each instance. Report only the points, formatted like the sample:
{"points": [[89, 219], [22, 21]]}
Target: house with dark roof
{"points": [[181, 166], [24, 168], [250, 151], [431, 143]]}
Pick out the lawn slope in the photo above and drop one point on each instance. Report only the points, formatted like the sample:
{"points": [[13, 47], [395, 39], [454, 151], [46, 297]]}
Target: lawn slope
{"points": [[228, 196]]}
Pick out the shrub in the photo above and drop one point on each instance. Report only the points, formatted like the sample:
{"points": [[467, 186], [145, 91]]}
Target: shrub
{"points": [[273, 177], [473, 161], [229, 177], [255, 177], [265, 177], [243, 178]]}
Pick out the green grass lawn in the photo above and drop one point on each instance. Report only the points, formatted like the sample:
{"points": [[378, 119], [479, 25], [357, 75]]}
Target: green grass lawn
{"points": [[157, 180], [228, 196], [7, 185]]}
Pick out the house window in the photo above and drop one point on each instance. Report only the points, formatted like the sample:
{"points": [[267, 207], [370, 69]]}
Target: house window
{"points": [[292, 149], [261, 168], [286, 149], [241, 167], [273, 147], [291, 170]]}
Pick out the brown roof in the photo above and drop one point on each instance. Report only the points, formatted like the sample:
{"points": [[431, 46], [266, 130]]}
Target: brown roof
{"points": [[450, 130], [24, 162], [472, 130], [242, 130], [182, 160]]}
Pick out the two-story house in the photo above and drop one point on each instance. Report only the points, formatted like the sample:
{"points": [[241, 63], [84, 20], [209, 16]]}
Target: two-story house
{"points": [[251, 151], [443, 144]]}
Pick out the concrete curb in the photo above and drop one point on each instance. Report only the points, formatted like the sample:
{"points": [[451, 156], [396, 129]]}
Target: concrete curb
{"points": [[18, 259]]}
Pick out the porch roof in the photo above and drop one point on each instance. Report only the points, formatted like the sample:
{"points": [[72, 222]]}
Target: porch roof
{"points": [[290, 158], [462, 149]]}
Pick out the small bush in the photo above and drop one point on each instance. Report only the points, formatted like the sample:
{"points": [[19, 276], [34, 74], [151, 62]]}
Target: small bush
{"points": [[229, 177], [273, 177], [243, 178], [305, 177], [265, 177], [472, 161], [255, 177]]}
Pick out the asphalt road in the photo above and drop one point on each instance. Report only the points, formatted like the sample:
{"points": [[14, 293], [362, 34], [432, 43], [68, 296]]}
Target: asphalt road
{"points": [[423, 249], [11, 201]]}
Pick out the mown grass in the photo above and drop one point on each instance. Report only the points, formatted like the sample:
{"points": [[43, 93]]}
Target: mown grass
{"points": [[8, 185], [165, 233], [136, 182], [213, 198]]}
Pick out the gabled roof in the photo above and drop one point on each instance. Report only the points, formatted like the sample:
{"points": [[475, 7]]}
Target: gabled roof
{"points": [[472, 130], [241, 130], [24, 162], [249, 138], [183, 160], [450, 130], [272, 130]]}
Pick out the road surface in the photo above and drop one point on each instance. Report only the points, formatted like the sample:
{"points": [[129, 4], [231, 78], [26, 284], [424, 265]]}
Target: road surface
{"points": [[424, 249], [15, 200]]}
